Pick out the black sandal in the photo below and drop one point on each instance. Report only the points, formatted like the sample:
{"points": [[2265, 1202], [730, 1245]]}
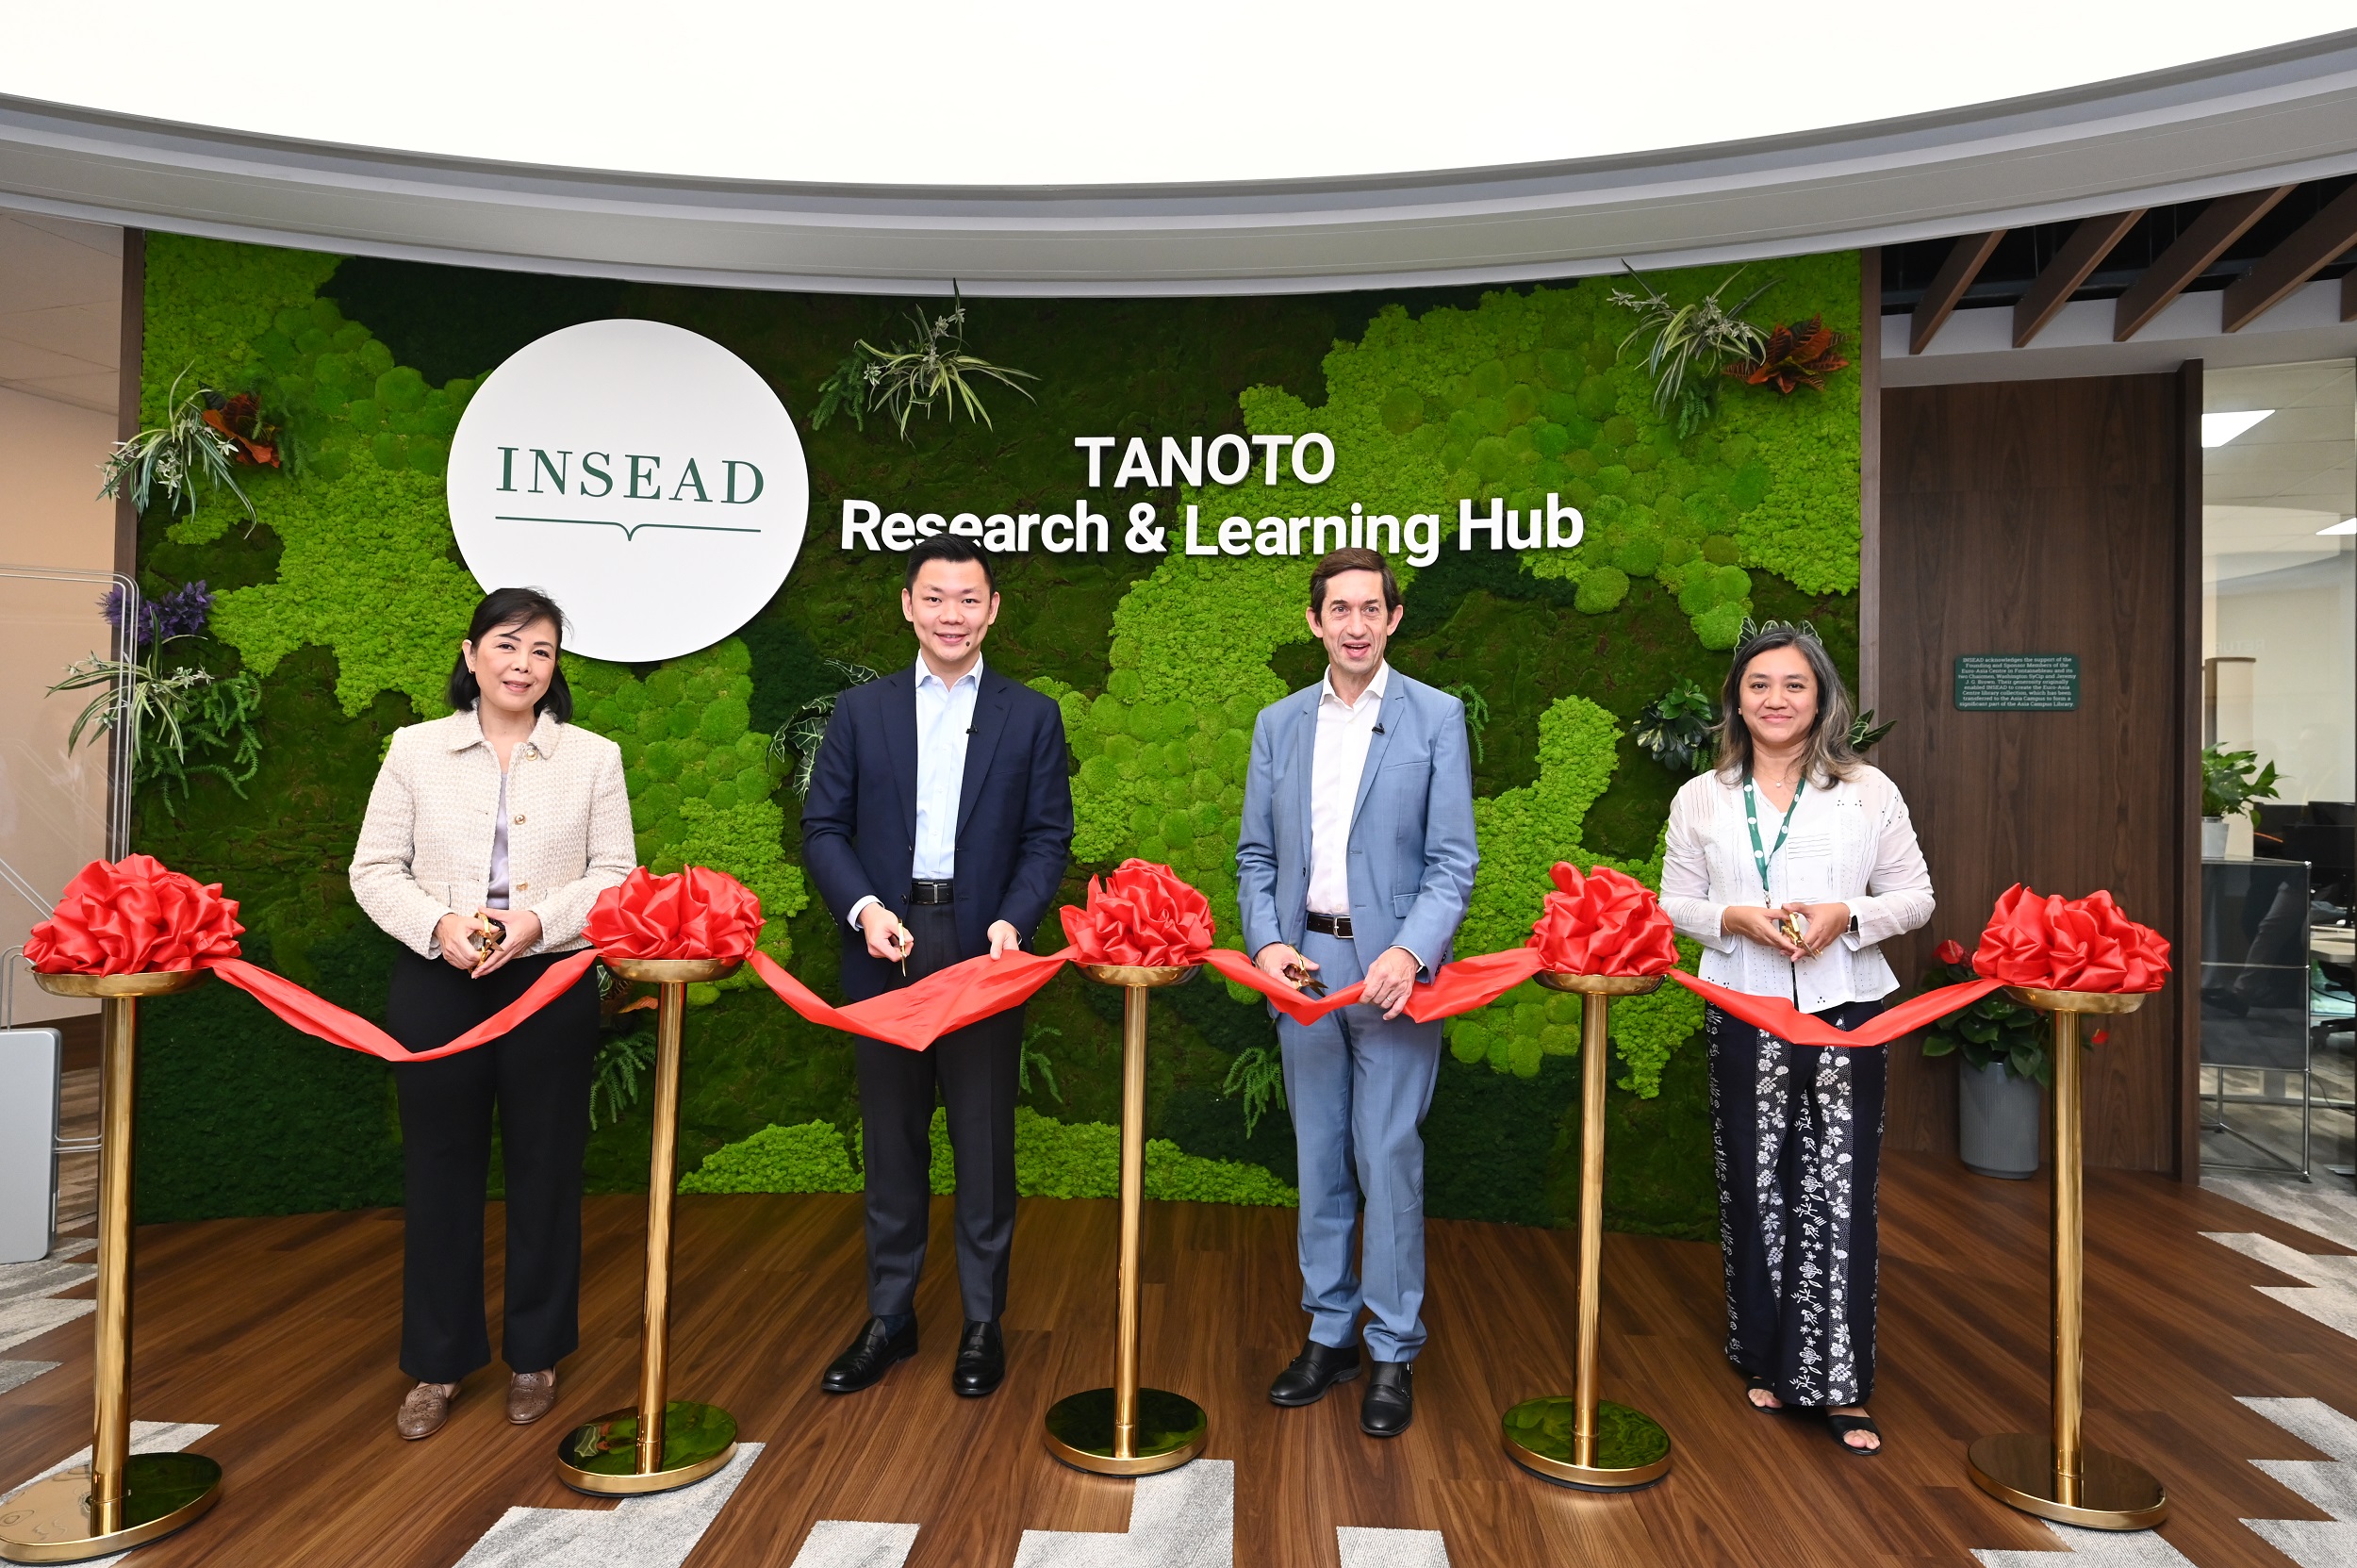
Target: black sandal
{"points": [[1762, 1385], [1844, 1425]]}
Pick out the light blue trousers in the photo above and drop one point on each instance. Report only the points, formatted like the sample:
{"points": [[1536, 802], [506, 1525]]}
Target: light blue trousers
{"points": [[1359, 1088]]}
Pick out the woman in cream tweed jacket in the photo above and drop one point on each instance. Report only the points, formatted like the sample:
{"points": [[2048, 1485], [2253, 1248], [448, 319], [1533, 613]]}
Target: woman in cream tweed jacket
{"points": [[488, 836], [425, 845]]}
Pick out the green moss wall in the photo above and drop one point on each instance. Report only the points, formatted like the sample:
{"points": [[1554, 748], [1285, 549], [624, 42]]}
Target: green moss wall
{"points": [[349, 598]]}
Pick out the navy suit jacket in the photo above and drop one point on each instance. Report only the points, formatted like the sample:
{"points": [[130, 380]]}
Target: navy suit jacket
{"points": [[1015, 814]]}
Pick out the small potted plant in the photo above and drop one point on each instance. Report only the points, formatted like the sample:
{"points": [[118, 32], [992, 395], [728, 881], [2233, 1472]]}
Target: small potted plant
{"points": [[2232, 785], [2004, 1045]]}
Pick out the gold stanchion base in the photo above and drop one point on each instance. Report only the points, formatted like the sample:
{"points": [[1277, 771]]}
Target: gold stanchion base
{"points": [[1632, 1450], [1170, 1431], [50, 1520], [2017, 1469], [602, 1455]]}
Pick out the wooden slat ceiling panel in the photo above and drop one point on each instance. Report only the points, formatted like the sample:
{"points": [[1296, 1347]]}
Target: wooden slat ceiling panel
{"points": [[2256, 249], [2088, 245]]}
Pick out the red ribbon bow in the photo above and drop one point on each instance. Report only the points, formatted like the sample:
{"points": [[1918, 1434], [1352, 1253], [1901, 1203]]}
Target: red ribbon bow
{"points": [[1141, 914], [134, 916], [2058, 944], [698, 912], [1605, 923]]}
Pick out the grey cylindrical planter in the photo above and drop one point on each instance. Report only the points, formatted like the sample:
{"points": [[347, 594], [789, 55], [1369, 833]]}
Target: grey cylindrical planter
{"points": [[1997, 1121]]}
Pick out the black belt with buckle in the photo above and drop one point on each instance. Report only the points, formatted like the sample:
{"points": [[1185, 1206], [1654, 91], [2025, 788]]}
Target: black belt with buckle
{"points": [[1330, 925], [922, 892]]}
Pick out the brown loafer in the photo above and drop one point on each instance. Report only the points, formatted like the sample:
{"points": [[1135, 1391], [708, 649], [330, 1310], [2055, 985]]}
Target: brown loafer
{"points": [[425, 1409], [530, 1396]]}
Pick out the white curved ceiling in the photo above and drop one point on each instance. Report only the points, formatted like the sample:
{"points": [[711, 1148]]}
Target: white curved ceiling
{"points": [[1062, 93], [1070, 149]]}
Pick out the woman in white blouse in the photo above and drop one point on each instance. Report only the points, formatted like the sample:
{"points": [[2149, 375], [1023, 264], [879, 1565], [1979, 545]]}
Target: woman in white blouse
{"points": [[1789, 862], [488, 836]]}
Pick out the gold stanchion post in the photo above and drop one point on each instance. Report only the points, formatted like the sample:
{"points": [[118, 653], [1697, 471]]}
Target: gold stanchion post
{"points": [[1584, 1440], [662, 1442], [1125, 1429], [120, 1499], [2057, 1475]]}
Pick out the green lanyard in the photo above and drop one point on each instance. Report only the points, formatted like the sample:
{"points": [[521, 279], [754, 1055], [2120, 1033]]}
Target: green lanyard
{"points": [[1751, 815]]}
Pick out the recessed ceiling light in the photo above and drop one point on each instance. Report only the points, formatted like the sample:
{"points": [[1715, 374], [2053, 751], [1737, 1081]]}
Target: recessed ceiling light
{"points": [[2346, 525], [2218, 429]]}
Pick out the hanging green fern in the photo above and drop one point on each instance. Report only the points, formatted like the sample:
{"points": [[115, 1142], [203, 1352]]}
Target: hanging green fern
{"points": [[1690, 344]]}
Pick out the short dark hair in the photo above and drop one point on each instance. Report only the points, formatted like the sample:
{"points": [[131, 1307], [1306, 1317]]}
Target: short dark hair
{"points": [[1351, 559], [512, 607], [950, 547]]}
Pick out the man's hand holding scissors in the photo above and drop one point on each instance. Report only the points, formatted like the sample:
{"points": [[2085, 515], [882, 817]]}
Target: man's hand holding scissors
{"points": [[887, 939], [1280, 961]]}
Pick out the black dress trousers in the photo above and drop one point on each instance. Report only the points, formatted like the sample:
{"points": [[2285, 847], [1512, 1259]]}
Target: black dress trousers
{"points": [[1798, 1135], [973, 1071], [537, 1077]]}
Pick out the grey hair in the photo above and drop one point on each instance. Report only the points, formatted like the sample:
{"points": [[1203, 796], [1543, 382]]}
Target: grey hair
{"points": [[1828, 755]]}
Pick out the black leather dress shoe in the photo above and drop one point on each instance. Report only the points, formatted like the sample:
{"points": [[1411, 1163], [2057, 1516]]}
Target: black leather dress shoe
{"points": [[874, 1353], [981, 1360], [1390, 1403], [1308, 1375]]}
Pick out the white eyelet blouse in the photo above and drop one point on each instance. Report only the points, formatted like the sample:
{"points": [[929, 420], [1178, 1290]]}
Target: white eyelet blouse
{"points": [[1852, 842]]}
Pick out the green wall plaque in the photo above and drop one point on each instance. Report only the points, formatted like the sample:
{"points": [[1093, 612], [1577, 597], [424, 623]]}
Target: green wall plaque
{"points": [[2024, 683]]}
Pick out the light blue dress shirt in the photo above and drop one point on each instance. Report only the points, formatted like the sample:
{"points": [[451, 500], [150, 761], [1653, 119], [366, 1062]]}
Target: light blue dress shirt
{"points": [[945, 713]]}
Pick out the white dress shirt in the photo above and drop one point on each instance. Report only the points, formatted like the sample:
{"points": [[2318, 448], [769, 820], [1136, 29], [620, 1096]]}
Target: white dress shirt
{"points": [[944, 714], [1338, 758], [1850, 842]]}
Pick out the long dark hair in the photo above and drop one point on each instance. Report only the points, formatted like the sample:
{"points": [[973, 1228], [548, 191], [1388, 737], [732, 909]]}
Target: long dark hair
{"points": [[1827, 755], [514, 607]]}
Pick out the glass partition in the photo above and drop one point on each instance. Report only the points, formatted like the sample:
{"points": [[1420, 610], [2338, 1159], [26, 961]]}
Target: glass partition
{"points": [[57, 813], [2279, 642]]}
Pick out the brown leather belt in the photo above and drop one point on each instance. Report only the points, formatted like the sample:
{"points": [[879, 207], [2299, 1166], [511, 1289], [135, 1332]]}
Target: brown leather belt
{"points": [[931, 892], [1330, 925]]}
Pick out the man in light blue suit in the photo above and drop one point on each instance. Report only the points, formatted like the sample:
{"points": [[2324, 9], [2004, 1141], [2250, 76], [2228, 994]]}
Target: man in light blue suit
{"points": [[1356, 862]]}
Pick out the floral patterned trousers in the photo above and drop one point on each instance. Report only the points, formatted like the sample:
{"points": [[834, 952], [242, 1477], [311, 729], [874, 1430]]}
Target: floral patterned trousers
{"points": [[1797, 1131]]}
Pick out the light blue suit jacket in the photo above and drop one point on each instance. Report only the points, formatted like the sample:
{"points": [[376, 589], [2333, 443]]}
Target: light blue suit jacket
{"points": [[1411, 837]]}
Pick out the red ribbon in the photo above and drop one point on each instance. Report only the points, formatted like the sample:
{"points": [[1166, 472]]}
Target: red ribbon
{"points": [[916, 1015], [2051, 944], [1786, 1022], [698, 912], [1143, 915], [137, 915]]}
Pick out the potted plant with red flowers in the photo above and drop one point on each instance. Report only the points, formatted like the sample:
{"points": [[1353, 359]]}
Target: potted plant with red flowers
{"points": [[2005, 1047]]}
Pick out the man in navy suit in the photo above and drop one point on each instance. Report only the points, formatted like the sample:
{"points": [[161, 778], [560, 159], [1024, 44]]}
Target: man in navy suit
{"points": [[937, 826], [1356, 862]]}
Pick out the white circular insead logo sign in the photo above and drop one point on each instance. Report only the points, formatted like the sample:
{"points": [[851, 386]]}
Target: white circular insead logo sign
{"points": [[641, 475]]}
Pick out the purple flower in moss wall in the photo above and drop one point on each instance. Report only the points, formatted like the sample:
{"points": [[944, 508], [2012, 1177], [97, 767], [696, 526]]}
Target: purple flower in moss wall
{"points": [[182, 613]]}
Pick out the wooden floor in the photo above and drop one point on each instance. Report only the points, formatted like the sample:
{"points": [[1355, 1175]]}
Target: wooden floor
{"points": [[283, 1332]]}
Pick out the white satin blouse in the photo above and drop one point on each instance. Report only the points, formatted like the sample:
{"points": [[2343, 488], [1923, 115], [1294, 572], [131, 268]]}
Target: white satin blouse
{"points": [[1850, 842]]}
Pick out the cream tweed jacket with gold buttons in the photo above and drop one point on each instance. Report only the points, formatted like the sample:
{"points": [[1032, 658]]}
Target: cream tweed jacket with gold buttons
{"points": [[425, 845]]}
